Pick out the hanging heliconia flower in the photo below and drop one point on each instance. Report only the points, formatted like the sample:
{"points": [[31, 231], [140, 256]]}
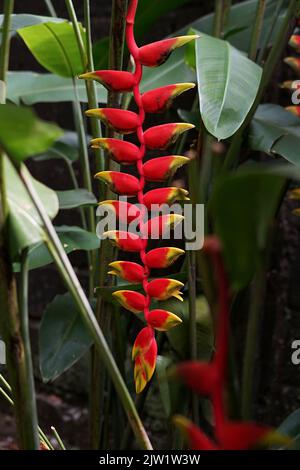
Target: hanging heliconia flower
{"points": [[157, 170]]}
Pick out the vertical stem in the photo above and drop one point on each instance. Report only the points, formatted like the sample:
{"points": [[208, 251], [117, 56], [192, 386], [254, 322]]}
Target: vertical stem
{"points": [[5, 45], [218, 18], [193, 324], [69, 277], [264, 47], [257, 27], [30, 410], [116, 47], [50, 8], [250, 352]]}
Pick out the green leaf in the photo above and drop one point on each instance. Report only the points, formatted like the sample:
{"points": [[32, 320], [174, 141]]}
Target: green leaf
{"points": [[63, 337], [72, 239], [31, 88], [22, 20], [25, 225], [100, 53], [22, 134], [55, 47], [73, 198], [227, 84], [66, 147], [274, 130], [243, 207], [291, 428]]}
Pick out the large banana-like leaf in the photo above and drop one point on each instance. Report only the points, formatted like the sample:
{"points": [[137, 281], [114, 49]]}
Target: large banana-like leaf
{"points": [[55, 47], [227, 84], [31, 88]]}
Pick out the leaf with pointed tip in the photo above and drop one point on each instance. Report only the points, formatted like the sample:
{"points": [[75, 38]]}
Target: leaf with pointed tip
{"points": [[72, 198], [55, 47], [63, 337]]}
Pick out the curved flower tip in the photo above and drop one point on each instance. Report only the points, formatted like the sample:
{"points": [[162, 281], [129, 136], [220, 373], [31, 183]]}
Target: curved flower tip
{"points": [[127, 270], [294, 193], [293, 62], [120, 183], [160, 137], [163, 289], [114, 80], [131, 300], [165, 196], [294, 109], [156, 53], [160, 99], [212, 245], [163, 257], [296, 211], [124, 211], [295, 41], [144, 354], [125, 241], [162, 225], [162, 320], [118, 150], [120, 120], [290, 85], [196, 439], [201, 377], [162, 168]]}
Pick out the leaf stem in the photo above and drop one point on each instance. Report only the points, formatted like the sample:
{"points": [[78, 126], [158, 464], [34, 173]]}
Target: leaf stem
{"points": [[257, 27], [192, 324], [5, 44], [58, 438], [67, 272], [50, 8]]}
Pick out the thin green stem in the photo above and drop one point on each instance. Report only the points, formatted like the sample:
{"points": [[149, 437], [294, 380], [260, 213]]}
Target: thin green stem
{"points": [[58, 438], [5, 44], [29, 406], [50, 8], [274, 55], [218, 18], [257, 27], [250, 353], [69, 277], [193, 324], [264, 47]]}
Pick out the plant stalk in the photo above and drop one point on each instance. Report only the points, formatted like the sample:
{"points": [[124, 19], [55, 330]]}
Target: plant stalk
{"points": [[193, 324], [257, 27], [50, 8]]}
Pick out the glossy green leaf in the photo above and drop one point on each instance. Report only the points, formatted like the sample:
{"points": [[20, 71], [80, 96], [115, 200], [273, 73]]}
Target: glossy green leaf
{"points": [[291, 428], [66, 147], [227, 85], [243, 207], [21, 20], [274, 130], [25, 225], [239, 26], [71, 237], [55, 47], [22, 134], [63, 337], [31, 88], [73, 198]]}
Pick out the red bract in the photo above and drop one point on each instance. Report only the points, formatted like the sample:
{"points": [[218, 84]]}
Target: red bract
{"points": [[160, 169], [133, 301], [163, 257], [196, 438], [118, 150], [158, 100], [124, 211], [293, 62], [161, 137], [120, 120], [294, 109], [163, 289], [156, 53], [144, 354], [127, 270], [201, 377], [295, 42], [161, 225], [120, 183], [162, 320], [114, 80], [165, 196], [125, 241]]}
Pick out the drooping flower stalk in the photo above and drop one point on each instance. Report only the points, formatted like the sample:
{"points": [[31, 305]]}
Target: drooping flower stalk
{"points": [[157, 170]]}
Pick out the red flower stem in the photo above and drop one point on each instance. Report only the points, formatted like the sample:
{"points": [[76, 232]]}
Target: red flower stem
{"points": [[134, 51]]}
